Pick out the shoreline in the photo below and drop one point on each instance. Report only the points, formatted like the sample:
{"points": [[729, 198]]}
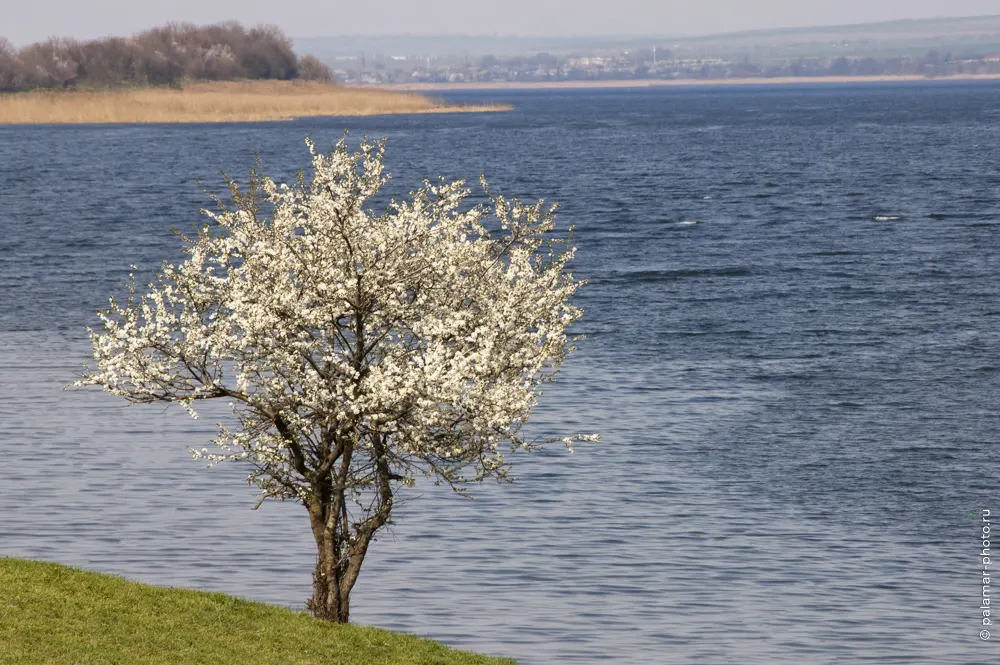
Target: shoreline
{"points": [[651, 83], [219, 101]]}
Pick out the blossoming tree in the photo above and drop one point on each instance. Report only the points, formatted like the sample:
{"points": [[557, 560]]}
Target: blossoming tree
{"points": [[357, 350]]}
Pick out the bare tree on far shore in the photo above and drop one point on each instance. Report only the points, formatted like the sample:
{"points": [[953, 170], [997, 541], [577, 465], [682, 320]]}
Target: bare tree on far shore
{"points": [[165, 55]]}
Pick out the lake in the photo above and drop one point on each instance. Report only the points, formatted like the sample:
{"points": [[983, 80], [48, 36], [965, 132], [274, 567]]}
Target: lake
{"points": [[792, 353]]}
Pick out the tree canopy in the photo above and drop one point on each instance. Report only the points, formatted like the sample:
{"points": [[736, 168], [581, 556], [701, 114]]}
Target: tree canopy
{"points": [[164, 55]]}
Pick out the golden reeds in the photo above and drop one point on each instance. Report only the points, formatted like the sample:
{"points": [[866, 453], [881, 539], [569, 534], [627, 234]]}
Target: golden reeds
{"points": [[217, 101]]}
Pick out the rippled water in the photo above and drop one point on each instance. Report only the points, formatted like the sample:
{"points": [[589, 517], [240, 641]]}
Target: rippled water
{"points": [[792, 355]]}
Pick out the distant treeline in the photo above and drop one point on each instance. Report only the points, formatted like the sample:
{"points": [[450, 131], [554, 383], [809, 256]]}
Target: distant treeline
{"points": [[162, 56]]}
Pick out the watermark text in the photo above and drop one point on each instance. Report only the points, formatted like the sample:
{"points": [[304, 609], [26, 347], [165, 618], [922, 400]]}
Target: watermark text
{"points": [[987, 562]]}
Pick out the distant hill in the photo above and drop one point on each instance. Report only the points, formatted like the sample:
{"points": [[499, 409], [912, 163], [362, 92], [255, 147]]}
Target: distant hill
{"points": [[964, 25], [436, 46], [891, 38]]}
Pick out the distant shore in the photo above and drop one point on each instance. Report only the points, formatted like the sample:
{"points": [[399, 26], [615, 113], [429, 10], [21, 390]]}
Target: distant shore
{"points": [[216, 101], [648, 83]]}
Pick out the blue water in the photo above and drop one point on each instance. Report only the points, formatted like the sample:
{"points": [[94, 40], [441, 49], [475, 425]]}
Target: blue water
{"points": [[793, 355]]}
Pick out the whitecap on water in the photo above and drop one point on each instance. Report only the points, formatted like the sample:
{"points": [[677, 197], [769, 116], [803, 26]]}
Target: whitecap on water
{"points": [[886, 218], [688, 222]]}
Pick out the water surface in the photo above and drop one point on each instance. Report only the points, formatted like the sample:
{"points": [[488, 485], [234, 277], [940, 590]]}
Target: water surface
{"points": [[793, 319]]}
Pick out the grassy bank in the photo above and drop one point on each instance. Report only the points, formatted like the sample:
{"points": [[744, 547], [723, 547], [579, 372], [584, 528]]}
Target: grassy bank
{"points": [[53, 614], [221, 101]]}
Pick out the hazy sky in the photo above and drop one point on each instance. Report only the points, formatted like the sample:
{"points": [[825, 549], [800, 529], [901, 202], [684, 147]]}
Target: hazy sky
{"points": [[25, 21]]}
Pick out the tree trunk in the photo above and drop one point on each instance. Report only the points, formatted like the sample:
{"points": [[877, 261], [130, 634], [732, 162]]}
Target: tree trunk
{"points": [[331, 596], [328, 601], [340, 549]]}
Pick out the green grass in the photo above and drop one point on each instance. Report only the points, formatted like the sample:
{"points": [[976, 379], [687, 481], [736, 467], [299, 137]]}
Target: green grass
{"points": [[54, 615]]}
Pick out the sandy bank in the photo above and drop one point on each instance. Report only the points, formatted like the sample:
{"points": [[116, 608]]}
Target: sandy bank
{"points": [[646, 83], [222, 101]]}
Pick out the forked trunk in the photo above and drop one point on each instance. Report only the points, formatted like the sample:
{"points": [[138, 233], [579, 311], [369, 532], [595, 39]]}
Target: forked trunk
{"points": [[331, 591], [342, 544], [338, 563], [331, 599]]}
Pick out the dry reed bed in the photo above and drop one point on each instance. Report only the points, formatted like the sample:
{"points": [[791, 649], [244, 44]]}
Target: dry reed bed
{"points": [[222, 101]]}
